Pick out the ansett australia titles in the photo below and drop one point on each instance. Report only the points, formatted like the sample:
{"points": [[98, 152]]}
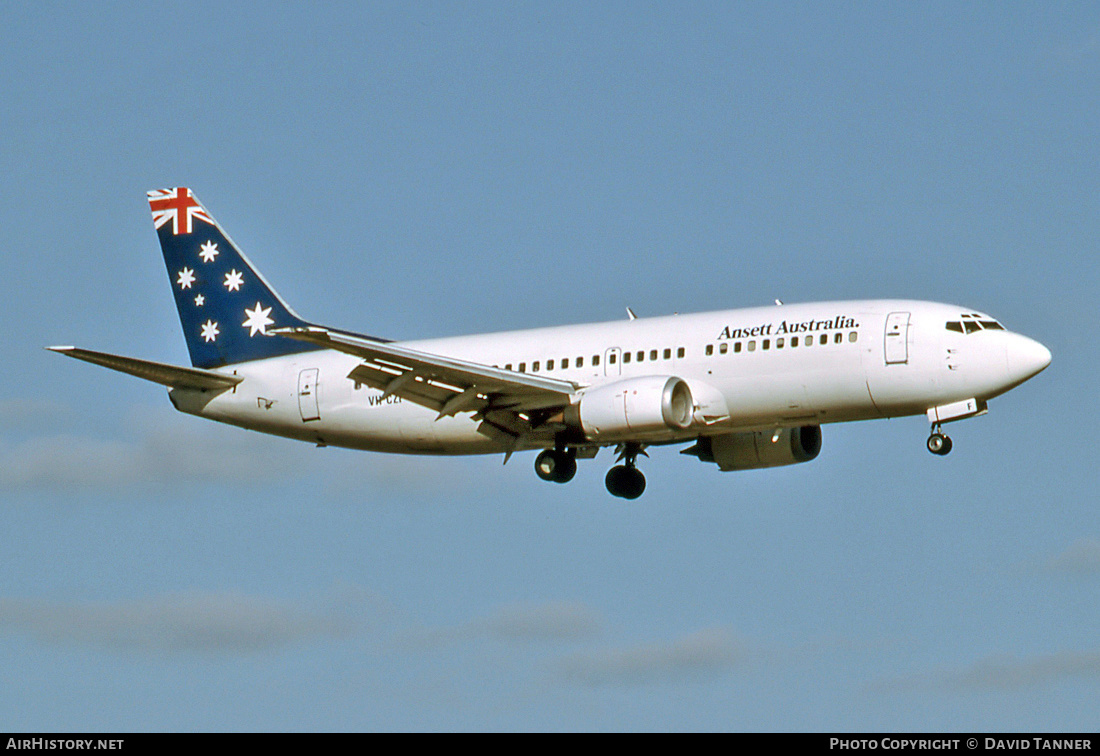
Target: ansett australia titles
{"points": [[784, 327]]}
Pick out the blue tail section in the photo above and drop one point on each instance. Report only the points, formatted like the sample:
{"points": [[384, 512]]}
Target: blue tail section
{"points": [[225, 305]]}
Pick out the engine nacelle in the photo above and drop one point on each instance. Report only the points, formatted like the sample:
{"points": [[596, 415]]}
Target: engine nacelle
{"points": [[647, 405], [748, 451]]}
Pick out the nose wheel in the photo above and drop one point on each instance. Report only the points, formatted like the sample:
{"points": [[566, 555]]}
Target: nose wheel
{"points": [[938, 443], [626, 480]]}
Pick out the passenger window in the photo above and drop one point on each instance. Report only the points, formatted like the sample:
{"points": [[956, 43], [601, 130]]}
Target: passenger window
{"points": [[779, 343], [641, 356], [752, 346], [794, 341], [610, 359], [523, 367], [680, 352], [508, 366], [737, 346], [767, 343], [853, 336], [709, 350], [580, 362], [824, 339], [565, 363], [838, 338], [549, 365], [652, 354], [723, 347], [626, 357], [535, 366], [667, 354], [596, 360]]}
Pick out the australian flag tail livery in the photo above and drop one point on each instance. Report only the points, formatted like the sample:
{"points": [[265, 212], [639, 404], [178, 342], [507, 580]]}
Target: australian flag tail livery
{"points": [[226, 307]]}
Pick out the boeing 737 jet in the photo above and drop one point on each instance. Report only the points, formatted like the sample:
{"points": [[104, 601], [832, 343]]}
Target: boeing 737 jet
{"points": [[746, 388]]}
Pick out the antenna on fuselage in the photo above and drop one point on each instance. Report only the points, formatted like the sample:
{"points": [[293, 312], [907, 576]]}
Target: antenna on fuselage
{"points": [[630, 314]]}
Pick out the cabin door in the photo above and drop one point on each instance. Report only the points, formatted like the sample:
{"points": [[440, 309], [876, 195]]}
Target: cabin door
{"points": [[307, 395], [897, 338]]}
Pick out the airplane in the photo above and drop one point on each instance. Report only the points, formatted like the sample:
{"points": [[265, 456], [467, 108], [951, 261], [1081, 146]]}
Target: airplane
{"points": [[746, 388]]}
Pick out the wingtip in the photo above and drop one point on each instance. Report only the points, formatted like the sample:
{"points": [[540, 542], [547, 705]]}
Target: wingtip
{"points": [[60, 348]]}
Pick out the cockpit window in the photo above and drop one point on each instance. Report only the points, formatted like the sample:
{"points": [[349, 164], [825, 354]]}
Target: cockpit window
{"points": [[970, 326]]}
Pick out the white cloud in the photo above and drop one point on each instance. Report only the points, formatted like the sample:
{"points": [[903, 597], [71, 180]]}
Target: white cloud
{"points": [[65, 461], [31, 412], [157, 447], [551, 622], [1009, 672], [555, 621], [166, 454], [708, 651], [1004, 672], [1081, 557], [213, 622]]}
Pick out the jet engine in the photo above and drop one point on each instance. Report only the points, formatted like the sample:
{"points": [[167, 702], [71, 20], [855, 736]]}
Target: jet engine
{"points": [[751, 450], [648, 405]]}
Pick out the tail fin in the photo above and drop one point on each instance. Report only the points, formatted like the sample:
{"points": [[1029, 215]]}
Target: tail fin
{"points": [[225, 305]]}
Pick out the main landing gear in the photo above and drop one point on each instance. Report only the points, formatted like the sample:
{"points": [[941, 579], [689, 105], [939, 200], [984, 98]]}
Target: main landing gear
{"points": [[556, 465], [626, 481], [938, 443]]}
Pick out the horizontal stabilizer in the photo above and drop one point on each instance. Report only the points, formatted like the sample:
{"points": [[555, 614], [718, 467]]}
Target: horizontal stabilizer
{"points": [[157, 372]]}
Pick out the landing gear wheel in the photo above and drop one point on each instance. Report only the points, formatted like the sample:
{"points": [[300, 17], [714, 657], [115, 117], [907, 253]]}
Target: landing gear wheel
{"points": [[939, 444], [556, 466], [625, 481]]}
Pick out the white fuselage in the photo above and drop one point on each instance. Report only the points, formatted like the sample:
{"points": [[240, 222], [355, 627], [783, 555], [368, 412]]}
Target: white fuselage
{"points": [[753, 368]]}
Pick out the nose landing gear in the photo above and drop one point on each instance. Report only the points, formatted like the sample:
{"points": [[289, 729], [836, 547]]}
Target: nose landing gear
{"points": [[626, 480], [938, 443]]}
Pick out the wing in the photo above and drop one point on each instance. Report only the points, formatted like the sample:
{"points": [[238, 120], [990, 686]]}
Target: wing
{"points": [[512, 407], [157, 372]]}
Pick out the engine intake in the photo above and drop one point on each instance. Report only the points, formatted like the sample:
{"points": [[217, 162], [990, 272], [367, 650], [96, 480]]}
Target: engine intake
{"points": [[752, 450]]}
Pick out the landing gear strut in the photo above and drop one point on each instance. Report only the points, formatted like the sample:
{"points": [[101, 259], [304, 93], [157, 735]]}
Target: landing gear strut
{"points": [[626, 480], [556, 465], [938, 443]]}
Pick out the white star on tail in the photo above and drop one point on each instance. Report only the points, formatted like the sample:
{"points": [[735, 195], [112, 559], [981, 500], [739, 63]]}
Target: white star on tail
{"points": [[187, 277], [233, 280], [258, 320], [210, 331], [209, 251], [199, 300]]}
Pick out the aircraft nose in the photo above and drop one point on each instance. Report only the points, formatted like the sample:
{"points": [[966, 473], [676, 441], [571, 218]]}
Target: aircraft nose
{"points": [[1026, 357]]}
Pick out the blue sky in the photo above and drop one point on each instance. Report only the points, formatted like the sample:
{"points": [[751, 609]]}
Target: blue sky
{"points": [[429, 169]]}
